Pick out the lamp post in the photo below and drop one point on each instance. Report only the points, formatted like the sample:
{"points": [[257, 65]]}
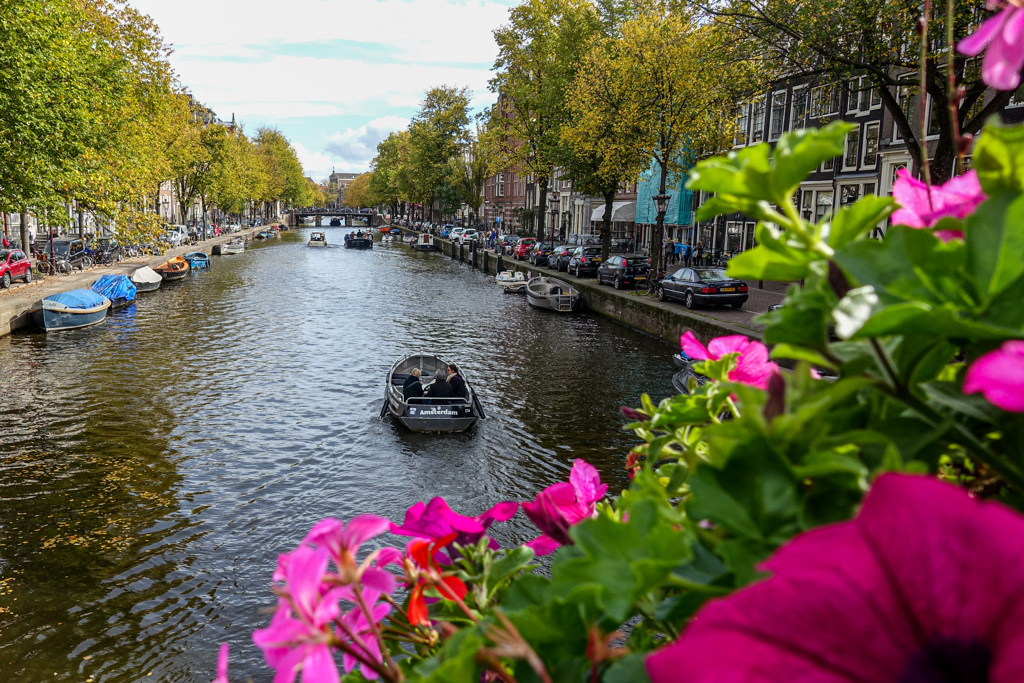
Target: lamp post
{"points": [[661, 204]]}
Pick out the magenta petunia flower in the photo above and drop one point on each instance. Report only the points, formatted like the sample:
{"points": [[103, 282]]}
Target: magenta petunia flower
{"points": [[1003, 37], [561, 505], [923, 586], [956, 198], [222, 665], [342, 542], [435, 520], [999, 375], [752, 364], [357, 622]]}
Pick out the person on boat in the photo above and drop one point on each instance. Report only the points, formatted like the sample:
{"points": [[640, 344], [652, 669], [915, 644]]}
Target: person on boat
{"points": [[412, 387], [459, 387], [439, 388]]}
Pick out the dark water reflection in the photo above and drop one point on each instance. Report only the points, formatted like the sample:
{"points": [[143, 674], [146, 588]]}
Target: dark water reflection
{"points": [[152, 468]]}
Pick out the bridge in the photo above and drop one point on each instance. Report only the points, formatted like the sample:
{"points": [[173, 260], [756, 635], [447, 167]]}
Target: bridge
{"points": [[295, 216]]}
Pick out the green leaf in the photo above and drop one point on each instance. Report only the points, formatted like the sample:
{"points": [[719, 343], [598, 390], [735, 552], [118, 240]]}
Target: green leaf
{"points": [[999, 159], [799, 153], [994, 234], [854, 221], [629, 669], [772, 258], [514, 561]]}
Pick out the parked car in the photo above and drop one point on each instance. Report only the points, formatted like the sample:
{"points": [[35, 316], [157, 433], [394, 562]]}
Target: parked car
{"points": [[455, 233], [71, 248], [468, 235], [628, 270], [540, 252], [703, 286], [14, 265], [506, 243], [176, 235], [523, 247], [559, 258], [584, 261]]}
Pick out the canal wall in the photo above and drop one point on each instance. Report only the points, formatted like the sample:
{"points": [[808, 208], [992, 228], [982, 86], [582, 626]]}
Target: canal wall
{"points": [[666, 321], [16, 302]]}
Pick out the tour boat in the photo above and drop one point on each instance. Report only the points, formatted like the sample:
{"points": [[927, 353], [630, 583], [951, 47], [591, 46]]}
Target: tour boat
{"points": [[359, 240], [553, 294], [146, 279], [424, 414], [235, 246], [70, 310], [425, 242], [118, 288], [197, 260], [317, 239], [173, 269], [511, 281]]}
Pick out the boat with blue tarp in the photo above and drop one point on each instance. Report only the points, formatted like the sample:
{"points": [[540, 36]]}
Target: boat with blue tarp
{"points": [[197, 260], [70, 310], [118, 288]]}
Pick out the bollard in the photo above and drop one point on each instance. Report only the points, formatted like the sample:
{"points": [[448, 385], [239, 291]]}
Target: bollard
{"points": [[462, 253], [498, 265], [486, 259]]}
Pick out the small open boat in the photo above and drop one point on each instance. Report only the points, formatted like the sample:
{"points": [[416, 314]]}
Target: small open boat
{"points": [[425, 242], [235, 246], [197, 260], [146, 279], [260, 236], [317, 239], [70, 310], [118, 288], [359, 240], [173, 269], [424, 414], [511, 281], [387, 239], [553, 294]]}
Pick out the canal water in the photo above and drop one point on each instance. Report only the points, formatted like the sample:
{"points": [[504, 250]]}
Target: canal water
{"points": [[152, 468]]}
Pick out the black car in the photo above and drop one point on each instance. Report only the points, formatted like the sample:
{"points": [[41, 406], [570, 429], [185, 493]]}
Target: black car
{"points": [[73, 249], [559, 258], [540, 252], [584, 261], [703, 286], [626, 270]]}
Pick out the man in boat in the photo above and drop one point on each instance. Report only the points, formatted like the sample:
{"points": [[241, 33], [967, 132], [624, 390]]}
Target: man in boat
{"points": [[458, 384], [412, 387], [439, 388]]}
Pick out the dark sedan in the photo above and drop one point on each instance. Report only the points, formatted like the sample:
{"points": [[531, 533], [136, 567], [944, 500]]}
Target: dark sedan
{"points": [[584, 261], [559, 258], [703, 287], [540, 253], [627, 270]]}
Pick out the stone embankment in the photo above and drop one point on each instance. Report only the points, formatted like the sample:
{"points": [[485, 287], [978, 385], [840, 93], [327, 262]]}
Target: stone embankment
{"points": [[16, 302]]}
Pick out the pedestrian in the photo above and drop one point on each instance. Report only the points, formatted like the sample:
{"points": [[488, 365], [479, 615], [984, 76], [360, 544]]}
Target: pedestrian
{"points": [[677, 251], [698, 254], [687, 252]]}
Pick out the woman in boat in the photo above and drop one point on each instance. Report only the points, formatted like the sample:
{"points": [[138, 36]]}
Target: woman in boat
{"points": [[439, 388], [412, 387], [458, 384]]}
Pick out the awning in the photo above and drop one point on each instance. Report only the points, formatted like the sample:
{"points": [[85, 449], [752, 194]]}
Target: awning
{"points": [[623, 212]]}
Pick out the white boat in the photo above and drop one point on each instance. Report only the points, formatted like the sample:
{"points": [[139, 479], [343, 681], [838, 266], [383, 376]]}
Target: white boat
{"points": [[553, 294], [425, 242], [146, 279], [387, 239], [511, 281], [235, 246], [317, 239]]}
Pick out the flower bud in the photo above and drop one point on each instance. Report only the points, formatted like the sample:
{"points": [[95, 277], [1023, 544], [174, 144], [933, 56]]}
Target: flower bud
{"points": [[776, 404], [634, 415], [963, 143]]}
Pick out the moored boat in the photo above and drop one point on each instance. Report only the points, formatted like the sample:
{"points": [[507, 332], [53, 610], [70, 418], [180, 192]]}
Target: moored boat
{"points": [[425, 242], [235, 246], [146, 279], [260, 236], [317, 239], [197, 260], [423, 413], [553, 294], [70, 310], [173, 269], [118, 288], [387, 239], [511, 281]]}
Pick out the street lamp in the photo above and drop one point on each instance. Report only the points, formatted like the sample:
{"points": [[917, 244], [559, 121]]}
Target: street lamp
{"points": [[661, 204]]}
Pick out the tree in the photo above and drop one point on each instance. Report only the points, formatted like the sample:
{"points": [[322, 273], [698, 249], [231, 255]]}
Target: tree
{"points": [[436, 136], [357, 194], [879, 39], [389, 170], [286, 181], [469, 172]]}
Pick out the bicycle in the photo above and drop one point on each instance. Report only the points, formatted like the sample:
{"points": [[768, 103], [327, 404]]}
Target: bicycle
{"points": [[47, 267]]}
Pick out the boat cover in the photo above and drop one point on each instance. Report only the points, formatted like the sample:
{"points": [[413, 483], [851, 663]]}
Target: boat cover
{"points": [[146, 274], [115, 287], [78, 299]]}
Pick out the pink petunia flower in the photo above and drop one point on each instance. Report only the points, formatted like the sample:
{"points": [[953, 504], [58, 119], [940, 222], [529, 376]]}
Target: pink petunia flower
{"points": [[1003, 36], [925, 584], [956, 198], [435, 520], [561, 505], [999, 375], [342, 542], [752, 364], [222, 665], [357, 622]]}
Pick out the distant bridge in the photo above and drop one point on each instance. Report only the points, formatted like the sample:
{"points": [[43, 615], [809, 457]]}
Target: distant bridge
{"points": [[372, 218]]}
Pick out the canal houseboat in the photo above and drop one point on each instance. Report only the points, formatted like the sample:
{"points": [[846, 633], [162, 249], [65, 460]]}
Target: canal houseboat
{"points": [[197, 260], [70, 310], [552, 294], [425, 242], [511, 281], [317, 239], [423, 413], [173, 269], [146, 279], [118, 288]]}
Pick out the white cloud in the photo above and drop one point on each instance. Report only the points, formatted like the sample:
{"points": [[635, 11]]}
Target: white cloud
{"points": [[358, 146]]}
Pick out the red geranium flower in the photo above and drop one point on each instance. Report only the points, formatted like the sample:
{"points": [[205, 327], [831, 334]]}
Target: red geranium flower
{"points": [[428, 574]]}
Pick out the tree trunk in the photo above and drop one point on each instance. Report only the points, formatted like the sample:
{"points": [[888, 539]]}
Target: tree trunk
{"points": [[25, 244], [542, 207], [81, 223], [606, 226], [658, 237]]}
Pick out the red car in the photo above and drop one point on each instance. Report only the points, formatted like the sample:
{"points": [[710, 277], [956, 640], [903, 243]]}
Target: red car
{"points": [[13, 265], [522, 249]]}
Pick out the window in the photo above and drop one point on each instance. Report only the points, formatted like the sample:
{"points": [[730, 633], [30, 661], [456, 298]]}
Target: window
{"points": [[849, 194], [824, 101], [870, 145], [807, 204], [862, 96], [852, 149], [798, 109], [742, 123], [757, 120], [778, 115], [828, 165], [824, 205], [853, 100], [501, 184], [934, 112], [905, 98]]}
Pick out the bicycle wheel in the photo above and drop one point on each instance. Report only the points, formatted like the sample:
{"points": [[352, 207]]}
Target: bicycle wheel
{"points": [[64, 267], [87, 262]]}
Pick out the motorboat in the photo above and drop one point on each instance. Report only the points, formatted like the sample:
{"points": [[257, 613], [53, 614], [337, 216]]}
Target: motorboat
{"points": [[387, 239], [511, 281], [425, 414], [359, 240], [146, 279], [197, 260], [173, 269], [317, 239], [425, 242], [70, 310], [553, 294], [411, 239], [261, 235], [118, 288], [235, 246]]}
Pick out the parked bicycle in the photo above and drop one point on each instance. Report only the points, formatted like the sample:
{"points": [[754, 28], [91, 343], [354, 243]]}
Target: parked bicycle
{"points": [[61, 266]]}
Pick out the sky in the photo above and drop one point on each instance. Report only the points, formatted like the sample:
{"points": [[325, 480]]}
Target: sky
{"points": [[335, 76]]}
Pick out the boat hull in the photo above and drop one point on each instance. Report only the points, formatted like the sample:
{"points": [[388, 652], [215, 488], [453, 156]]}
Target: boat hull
{"points": [[425, 247], [57, 321], [228, 249], [174, 276], [147, 286], [317, 244], [513, 287], [359, 243]]}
